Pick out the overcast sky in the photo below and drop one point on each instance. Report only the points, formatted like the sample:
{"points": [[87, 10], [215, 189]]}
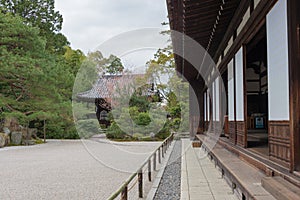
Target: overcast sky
{"points": [[89, 23]]}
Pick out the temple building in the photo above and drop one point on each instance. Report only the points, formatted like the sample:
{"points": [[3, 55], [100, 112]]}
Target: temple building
{"points": [[255, 45], [109, 89]]}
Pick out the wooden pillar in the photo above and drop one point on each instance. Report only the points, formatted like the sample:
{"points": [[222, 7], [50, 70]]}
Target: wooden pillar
{"points": [[293, 7], [197, 106]]}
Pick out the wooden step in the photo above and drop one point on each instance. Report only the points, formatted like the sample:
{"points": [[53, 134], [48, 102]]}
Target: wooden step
{"points": [[280, 188]]}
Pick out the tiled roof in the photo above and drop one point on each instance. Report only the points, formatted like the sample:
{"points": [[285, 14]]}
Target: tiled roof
{"points": [[107, 85]]}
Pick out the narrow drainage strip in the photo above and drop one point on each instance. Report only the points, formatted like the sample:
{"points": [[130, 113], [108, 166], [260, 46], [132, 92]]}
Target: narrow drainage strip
{"points": [[169, 186]]}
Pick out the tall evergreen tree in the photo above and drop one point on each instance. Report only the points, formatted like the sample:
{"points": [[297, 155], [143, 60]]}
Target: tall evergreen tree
{"points": [[34, 84], [41, 14]]}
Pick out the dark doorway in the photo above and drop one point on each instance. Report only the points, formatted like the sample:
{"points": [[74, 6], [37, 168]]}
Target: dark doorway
{"points": [[257, 92]]}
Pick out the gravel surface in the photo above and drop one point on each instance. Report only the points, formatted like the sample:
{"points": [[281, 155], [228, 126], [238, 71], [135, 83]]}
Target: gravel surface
{"points": [[169, 187], [69, 169]]}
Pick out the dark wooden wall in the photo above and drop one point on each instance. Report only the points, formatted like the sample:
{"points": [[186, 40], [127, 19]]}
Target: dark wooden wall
{"points": [[241, 133], [232, 131], [279, 142]]}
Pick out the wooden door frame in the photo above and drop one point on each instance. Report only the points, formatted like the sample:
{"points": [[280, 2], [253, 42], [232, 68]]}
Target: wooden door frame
{"points": [[255, 31]]}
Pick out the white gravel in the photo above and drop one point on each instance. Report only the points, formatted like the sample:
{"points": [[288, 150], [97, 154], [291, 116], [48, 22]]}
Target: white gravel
{"points": [[69, 169]]}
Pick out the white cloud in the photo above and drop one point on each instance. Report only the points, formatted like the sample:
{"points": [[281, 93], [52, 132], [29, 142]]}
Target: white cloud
{"points": [[89, 23]]}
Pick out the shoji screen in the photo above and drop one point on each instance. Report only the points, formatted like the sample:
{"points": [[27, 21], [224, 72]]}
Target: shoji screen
{"points": [[278, 74], [239, 82], [230, 91]]}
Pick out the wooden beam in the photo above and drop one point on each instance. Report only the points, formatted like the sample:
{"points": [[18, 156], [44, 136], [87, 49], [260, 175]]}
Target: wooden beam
{"points": [[254, 21], [237, 18]]}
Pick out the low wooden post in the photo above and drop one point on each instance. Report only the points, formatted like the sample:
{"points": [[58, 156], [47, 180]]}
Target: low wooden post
{"points": [[44, 131], [154, 161], [162, 150], [149, 169], [124, 195], [140, 182], [166, 146], [159, 158]]}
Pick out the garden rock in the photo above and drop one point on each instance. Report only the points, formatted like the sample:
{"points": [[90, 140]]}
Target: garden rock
{"points": [[12, 124], [6, 131], [16, 138], [2, 140], [28, 142], [32, 132]]}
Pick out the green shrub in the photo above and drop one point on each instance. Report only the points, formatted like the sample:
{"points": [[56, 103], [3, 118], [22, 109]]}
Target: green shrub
{"points": [[175, 124], [87, 128], [114, 132], [164, 132], [143, 119]]}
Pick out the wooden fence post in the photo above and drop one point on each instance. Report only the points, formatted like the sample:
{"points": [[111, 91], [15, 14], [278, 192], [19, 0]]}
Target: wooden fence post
{"points": [[159, 158], [154, 161], [166, 146], [124, 195], [149, 169], [140, 182], [44, 131]]}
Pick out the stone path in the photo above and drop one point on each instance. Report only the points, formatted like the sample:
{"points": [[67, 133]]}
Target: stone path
{"points": [[199, 177]]}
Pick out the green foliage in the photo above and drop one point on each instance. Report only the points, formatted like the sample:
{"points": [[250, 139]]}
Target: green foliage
{"points": [[140, 102], [175, 92], [114, 132], [106, 66], [175, 124], [164, 132], [143, 119], [175, 111], [87, 75], [39, 14], [113, 65], [87, 128], [73, 59], [39, 141], [35, 84], [80, 110]]}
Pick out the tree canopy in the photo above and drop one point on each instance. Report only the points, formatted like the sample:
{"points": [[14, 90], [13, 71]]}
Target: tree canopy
{"points": [[40, 14], [35, 83]]}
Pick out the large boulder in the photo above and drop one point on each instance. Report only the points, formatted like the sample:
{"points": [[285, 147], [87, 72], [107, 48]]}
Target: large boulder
{"points": [[16, 138]]}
